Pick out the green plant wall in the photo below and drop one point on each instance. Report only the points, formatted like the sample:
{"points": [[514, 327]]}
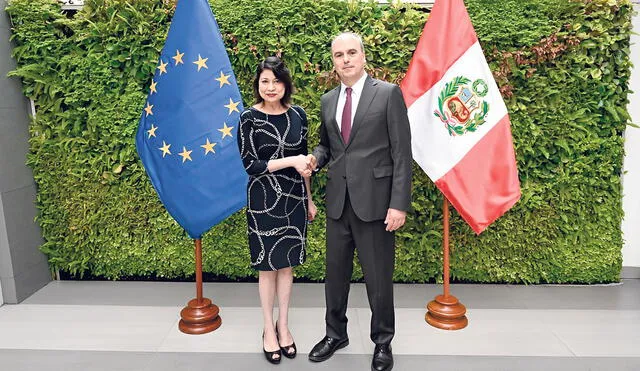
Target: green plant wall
{"points": [[562, 65]]}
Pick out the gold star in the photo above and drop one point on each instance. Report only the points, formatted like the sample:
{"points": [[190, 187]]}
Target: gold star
{"points": [[224, 79], [152, 131], [148, 109], [186, 155], [208, 147], [232, 106], [201, 62], [153, 86], [165, 149], [178, 57], [162, 67], [226, 130]]}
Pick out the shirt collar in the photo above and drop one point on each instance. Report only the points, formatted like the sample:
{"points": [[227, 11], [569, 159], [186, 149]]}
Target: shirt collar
{"points": [[357, 87]]}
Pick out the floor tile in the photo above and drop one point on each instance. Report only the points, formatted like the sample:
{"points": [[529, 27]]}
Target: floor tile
{"points": [[84, 327]]}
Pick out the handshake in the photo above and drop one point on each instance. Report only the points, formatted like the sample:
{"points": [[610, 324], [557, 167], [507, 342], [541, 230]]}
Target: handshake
{"points": [[305, 165]]}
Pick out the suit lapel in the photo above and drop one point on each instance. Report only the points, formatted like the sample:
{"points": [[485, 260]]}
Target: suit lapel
{"points": [[368, 92]]}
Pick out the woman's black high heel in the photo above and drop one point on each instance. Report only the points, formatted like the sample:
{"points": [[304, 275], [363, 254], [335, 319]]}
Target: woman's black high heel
{"points": [[269, 355], [287, 350]]}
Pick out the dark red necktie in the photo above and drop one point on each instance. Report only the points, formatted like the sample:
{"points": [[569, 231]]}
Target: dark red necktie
{"points": [[345, 126]]}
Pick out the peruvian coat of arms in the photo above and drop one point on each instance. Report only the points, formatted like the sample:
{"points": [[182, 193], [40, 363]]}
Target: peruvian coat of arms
{"points": [[460, 105]]}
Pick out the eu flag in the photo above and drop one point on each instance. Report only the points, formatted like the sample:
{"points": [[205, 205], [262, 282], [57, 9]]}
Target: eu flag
{"points": [[186, 137]]}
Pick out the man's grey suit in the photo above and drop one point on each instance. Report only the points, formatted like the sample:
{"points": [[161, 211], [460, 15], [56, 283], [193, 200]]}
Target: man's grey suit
{"points": [[365, 177]]}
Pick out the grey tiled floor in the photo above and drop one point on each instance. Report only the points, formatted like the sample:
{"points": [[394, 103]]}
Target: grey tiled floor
{"points": [[124, 361], [621, 296], [70, 325]]}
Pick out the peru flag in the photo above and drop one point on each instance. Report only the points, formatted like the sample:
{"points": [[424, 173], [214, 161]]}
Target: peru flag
{"points": [[461, 134]]}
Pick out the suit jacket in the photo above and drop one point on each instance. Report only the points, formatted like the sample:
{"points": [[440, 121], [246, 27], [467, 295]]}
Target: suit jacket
{"points": [[375, 165]]}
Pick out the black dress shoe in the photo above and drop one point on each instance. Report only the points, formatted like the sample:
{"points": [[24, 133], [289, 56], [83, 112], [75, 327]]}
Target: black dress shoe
{"points": [[272, 357], [289, 351], [325, 348], [382, 358]]}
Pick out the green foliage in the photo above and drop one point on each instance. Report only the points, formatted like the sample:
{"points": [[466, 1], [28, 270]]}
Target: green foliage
{"points": [[563, 67]]}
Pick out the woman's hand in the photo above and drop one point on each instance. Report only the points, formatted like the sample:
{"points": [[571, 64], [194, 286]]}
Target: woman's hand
{"points": [[302, 164], [312, 210]]}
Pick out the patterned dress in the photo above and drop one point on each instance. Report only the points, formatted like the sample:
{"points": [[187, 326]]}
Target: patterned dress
{"points": [[277, 202]]}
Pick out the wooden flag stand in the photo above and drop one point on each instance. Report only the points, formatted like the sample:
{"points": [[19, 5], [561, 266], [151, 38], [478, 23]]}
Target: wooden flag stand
{"points": [[445, 311], [200, 316]]}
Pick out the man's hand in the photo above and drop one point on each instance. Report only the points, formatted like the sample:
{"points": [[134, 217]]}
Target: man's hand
{"points": [[313, 162], [302, 165], [395, 219]]}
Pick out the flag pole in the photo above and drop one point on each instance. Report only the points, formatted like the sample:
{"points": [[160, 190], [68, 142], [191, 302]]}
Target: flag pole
{"points": [[445, 311], [200, 316]]}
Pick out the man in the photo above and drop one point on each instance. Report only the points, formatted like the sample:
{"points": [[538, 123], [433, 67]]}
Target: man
{"points": [[366, 141]]}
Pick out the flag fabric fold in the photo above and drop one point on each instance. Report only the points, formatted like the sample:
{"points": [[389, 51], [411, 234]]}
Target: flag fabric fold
{"points": [[186, 135], [460, 128]]}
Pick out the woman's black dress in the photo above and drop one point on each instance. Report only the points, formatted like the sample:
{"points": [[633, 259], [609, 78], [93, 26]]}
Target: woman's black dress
{"points": [[277, 202]]}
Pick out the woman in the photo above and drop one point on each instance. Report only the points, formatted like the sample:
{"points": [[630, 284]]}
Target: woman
{"points": [[273, 145]]}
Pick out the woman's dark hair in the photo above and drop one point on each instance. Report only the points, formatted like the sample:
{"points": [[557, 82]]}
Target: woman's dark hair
{"points": [[281, 72]]}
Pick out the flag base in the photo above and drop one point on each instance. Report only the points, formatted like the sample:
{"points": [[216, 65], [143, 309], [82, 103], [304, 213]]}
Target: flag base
{"points": [[199, 317], [446, 313]]}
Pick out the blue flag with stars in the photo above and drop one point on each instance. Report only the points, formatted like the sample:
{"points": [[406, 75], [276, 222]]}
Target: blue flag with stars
{"points": [[186, 137]]}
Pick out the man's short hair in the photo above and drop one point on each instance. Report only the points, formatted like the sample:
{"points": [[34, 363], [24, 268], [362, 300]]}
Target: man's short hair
{"points": [[349, 34]]}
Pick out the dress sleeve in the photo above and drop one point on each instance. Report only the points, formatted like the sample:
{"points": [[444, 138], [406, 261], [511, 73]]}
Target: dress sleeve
{"points": [[248, 151]]}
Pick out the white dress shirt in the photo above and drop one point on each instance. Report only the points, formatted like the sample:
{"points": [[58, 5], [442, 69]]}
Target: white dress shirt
{"points": [[356, 93]]}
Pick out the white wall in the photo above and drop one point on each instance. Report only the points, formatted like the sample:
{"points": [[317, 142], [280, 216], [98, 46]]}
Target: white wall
{"points": [[631, 178], [1, 300]]}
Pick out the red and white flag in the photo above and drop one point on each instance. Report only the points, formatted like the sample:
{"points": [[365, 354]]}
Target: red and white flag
{"points": [[461, 134]]}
